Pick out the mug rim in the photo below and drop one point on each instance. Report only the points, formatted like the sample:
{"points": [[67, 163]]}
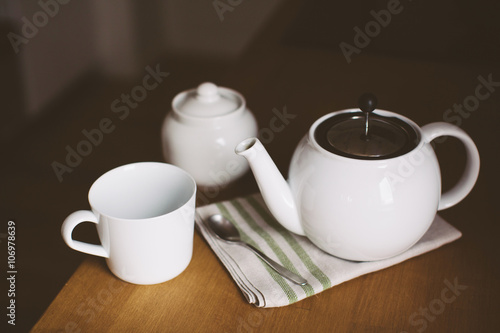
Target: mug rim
{"points": [[100, 212]]}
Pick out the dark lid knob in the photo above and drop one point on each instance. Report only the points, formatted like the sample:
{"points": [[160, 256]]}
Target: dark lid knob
{"points": [[367, 102]]}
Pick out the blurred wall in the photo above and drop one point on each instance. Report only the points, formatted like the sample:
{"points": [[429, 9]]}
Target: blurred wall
{"points": [[51, 44], [214, 28], [57, 47], [44, 48]]}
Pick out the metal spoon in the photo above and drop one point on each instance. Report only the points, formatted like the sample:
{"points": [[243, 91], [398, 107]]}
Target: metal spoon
{"points": [[226, 231]]}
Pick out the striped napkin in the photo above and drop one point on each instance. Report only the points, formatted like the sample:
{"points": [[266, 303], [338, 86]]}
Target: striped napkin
{"points": [[261, 285]]}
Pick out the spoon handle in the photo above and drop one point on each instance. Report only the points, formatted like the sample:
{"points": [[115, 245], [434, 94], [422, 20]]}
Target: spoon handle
{"points": [[277, 267]]}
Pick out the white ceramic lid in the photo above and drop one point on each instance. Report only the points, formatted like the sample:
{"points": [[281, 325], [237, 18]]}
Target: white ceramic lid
{"points": [[207, 100]]}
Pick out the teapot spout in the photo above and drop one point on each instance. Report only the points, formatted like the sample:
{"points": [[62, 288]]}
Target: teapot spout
{"points": [[273, 187]]}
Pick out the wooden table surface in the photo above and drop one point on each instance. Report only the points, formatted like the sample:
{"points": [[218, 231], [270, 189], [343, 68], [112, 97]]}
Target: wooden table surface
{"points": [[452, 289]]}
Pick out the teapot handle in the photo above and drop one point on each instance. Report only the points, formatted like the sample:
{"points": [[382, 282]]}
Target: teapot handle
{"points": [[471, 172]]}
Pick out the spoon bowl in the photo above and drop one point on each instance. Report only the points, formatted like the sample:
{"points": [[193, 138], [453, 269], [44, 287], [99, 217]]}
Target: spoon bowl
{"points": [[226, 231]]}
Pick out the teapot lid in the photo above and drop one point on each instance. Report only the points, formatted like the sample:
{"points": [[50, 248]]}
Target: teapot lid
{"points": [[366, 135], [207, 100]]}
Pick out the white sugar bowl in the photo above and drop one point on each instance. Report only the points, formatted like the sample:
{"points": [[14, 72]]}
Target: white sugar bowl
{"points": [[200, 132]]}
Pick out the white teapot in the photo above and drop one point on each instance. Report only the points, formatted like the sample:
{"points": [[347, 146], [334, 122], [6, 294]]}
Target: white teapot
{"points": [[363, 185], [200, 132]]}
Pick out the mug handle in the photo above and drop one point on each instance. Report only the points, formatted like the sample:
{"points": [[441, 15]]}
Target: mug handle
{"points": [[471, 172], [69, 225]]}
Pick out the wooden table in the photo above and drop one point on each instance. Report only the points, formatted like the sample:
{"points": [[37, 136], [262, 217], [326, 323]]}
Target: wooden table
{"points": [[452, 289]]}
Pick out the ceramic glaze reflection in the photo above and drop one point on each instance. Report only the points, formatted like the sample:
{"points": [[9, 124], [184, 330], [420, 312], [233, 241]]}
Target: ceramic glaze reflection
{"points": [[201, 130], [357, 208], [144, 215]]}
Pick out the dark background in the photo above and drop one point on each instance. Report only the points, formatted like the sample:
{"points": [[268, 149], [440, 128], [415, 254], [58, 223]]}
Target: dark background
{"points": [[64, 79]]}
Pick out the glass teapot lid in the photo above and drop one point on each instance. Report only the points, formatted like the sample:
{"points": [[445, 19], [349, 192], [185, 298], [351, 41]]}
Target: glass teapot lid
{"points": [[366, 135]]}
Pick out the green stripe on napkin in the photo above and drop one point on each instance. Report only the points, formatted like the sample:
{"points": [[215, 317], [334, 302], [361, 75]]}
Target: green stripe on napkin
{"points": [[299, 250], [290, 294], [282, 257], [261, 285]]}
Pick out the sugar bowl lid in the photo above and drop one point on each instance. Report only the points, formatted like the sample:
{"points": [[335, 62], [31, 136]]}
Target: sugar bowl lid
{"points": [[208, 100], [366, 134]]}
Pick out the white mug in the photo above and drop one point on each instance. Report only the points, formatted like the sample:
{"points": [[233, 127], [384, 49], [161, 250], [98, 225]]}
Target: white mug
{"points": [[144, 215]]}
